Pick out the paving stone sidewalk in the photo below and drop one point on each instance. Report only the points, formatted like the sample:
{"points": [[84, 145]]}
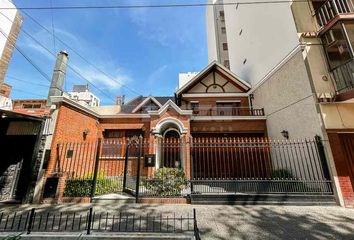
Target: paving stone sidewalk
{"points": [[238, 222]]}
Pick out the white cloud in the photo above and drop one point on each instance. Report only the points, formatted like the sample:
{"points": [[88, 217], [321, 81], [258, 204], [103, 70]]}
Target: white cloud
{"points": [[111, 80], [157, 74]]}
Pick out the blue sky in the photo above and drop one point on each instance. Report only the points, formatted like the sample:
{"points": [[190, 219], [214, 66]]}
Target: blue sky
{"points": [[144, 49]]}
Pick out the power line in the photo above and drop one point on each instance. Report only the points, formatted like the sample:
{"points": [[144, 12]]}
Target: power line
{"points": [[30, 93], [25, 81], [155, 6], [27, 58], [83, 58], [73, 69]]}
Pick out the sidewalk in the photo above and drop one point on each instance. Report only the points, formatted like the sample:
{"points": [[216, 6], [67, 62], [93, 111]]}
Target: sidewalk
{"points": [[238, 222]]}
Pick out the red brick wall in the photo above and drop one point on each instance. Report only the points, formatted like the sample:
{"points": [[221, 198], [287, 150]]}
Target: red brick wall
{"points": [[70, 125], [343, 167]]}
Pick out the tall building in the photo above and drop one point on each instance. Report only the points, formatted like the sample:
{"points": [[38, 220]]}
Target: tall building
{"points": [[10, 24], [217, 33], [82, 94], [298, 58]]}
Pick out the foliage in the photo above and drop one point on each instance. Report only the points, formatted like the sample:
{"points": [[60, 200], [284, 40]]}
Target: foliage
{"points": [[81, 187], [281, 173], [167, 182]]}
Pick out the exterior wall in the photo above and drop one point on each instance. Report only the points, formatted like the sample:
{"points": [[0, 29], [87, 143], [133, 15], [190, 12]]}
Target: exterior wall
{"points": [[10, 26], [344, 170], [290, 104], [126, 123], [265, 39], [215, 36], [5, 89], [19, 108], [70, 125], [231, 126], [211, 101]]}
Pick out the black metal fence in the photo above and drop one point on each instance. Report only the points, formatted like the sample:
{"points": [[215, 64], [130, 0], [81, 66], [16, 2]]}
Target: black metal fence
{"points": [[259, 165], [91, 221]]}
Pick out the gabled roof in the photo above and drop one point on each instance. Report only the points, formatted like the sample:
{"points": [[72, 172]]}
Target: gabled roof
{"points": [[146, 100], [172, 104], [200, 76]]}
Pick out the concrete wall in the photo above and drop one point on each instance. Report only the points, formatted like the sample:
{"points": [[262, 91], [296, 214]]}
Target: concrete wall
{"points": [[288, 101], [268, 35]]}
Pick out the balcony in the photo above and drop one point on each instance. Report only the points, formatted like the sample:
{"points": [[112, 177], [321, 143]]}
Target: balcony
{"points": [[332, 8], [344, 77], [227, 111]]}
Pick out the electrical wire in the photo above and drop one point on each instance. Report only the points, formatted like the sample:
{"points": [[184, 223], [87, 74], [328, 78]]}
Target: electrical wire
{"points": [[155, 6]]}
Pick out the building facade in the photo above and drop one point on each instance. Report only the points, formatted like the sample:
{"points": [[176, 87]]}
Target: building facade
{"points": [[82, 94], [217, 33], [213, 104], [10, 25], [298, 58]]}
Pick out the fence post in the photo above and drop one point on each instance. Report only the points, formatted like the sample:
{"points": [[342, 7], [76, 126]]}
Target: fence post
{"points": [[126, 158], [191, 162], [195, 225], [89, 221], [93, 187], [30, 221], [322, 155], [138, 170]]}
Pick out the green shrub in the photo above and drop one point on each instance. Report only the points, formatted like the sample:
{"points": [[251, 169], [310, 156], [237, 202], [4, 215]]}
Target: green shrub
{"points": [[166, 182], [81, 187], [281, 173]]}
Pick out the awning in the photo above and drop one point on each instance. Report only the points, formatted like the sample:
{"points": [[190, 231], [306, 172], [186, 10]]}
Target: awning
{"points": [[125, 126]]}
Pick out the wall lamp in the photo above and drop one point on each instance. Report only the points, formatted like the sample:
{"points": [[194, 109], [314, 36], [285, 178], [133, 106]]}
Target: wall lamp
{"points": [[285, 134], [85, 133]]}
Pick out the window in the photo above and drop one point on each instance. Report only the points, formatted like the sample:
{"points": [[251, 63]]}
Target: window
{"points": [[228, 108], [195, 107], [222, 16], [224, 46], [336, 46], [31, 106], [223, 30]]}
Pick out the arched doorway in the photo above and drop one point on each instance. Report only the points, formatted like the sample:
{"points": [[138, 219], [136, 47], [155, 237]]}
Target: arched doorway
{"points": [[170, 146], [169, 152]]}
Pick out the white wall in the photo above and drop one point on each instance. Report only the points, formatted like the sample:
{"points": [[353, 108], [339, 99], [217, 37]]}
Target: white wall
{"points": [[211, 33], [268, 35], [6, 24]]}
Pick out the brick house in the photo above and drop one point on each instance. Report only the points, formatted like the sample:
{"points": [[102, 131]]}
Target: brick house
{"points": [[214, 103]]}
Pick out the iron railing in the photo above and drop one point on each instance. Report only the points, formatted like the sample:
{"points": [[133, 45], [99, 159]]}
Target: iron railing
{"points": [[331, 8], [92, 221], [227, 111], [259, 166], [344, 77]]}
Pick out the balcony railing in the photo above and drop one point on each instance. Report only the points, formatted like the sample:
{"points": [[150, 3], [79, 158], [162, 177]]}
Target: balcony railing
{"points": [[331, 8], [227, 111], [344, 77]]}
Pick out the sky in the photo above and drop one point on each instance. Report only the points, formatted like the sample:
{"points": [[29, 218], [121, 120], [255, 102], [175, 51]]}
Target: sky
{"points": [[142, 49]]}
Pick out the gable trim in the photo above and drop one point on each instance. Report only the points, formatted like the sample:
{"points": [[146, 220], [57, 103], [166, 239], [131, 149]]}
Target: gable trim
{"points": [[170, 103], [145, 101], [237, 80]]}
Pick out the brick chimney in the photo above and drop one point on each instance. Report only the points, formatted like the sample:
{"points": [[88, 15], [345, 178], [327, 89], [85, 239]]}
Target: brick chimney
{"points": [[56, 86]]}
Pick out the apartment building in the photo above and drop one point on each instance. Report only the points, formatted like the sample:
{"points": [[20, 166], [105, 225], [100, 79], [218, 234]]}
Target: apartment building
{"points": [[217, 33], [298, 58], [83, 94], [10, 25]]}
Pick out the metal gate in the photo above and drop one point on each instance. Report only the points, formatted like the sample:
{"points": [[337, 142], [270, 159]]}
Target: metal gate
{"points": [[91, 168]]}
